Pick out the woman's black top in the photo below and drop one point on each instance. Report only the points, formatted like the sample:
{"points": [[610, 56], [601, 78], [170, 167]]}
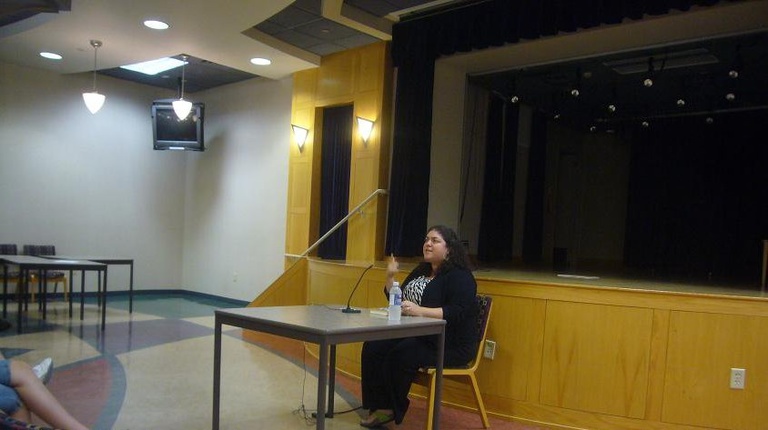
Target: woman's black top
{"points": [[452, 289]]}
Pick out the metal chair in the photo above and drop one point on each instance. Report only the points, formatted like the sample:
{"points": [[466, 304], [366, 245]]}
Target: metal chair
{"points": [[426, 377], [51, 276]]}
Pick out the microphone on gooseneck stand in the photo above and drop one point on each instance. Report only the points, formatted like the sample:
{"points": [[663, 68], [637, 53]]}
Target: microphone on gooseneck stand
{"points": [[348, 309]]}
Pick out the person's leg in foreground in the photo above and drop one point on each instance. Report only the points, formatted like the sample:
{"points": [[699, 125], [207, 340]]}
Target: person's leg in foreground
{"points": [[22, 393]]}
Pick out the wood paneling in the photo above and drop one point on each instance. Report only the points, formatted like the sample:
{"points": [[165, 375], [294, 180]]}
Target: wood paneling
{"points": [[596, 358], [599, 358], [703, 348], [359, 77]]}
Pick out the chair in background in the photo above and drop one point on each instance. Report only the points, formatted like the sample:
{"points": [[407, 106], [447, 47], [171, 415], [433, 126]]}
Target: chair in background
{"points": [[9, 249], [426, 376], [51, 276]]}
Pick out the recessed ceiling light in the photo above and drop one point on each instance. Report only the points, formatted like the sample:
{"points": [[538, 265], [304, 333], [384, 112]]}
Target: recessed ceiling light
{"points": [[50, 55], [155, 24], [154, 67], [259, 61]]}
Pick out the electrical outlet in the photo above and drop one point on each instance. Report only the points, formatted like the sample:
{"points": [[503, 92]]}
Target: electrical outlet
{"points": [[490, 349], [234, 277], [738, 378]]}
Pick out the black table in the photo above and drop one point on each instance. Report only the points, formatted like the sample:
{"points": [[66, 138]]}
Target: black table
{"points": [[27, 263], [103, 260], [326, 326]]}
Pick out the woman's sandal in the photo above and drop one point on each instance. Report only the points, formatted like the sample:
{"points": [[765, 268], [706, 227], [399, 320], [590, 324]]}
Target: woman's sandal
{"points": [[379, 419]]}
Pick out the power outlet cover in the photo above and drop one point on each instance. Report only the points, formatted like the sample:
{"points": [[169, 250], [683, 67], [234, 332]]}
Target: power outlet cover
{"points": [[738, 378], [490, 349]]}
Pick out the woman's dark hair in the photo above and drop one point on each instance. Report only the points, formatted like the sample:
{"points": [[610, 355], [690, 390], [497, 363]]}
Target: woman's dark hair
{"points": [[457, 255]]}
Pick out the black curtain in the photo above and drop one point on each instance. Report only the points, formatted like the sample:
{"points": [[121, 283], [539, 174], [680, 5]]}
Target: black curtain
{"points": [[334, 184], [495, 239], [418, 42], [698, 198], [533, 237]]}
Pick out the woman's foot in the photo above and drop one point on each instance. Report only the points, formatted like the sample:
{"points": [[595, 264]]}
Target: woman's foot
{"points": [[378, 418]]}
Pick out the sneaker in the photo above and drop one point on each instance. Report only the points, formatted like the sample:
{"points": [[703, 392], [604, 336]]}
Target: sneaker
{"points": [[44, 370]]}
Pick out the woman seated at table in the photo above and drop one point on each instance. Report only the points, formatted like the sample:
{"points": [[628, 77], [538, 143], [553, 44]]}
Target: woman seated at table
{"points": [[442, 286]]}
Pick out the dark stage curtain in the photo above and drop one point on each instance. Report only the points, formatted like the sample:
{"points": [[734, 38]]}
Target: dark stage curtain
{"points": [[417, 43], [334, 185], [533, 237], [698, 198], [495, 241]]}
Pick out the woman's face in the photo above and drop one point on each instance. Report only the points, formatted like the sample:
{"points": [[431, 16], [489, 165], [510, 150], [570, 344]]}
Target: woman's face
{"points": [[435, 249]]}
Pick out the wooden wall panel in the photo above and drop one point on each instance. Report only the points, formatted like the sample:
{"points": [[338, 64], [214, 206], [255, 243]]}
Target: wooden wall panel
{"points": [[336, 77], [359, 77], [596, 358], [514, 325], [703, 347]]}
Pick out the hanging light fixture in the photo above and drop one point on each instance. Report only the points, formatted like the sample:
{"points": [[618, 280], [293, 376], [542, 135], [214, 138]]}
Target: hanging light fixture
{"points": [[93, 100], [182, 107]]}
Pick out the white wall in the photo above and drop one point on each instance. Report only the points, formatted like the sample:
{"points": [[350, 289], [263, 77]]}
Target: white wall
{"points": [[92, 185], [234, 238]]}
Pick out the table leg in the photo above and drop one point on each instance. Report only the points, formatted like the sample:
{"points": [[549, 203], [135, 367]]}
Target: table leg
{"points": [[216, 374], [71, 291], [42, 289], [104, 302], [5, 290], [82, 294], [322, 384], [439, 380], [130, 291], [331, 381], [22, 288]]}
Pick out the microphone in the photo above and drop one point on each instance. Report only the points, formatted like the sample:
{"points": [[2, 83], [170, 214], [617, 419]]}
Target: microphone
{"points": [[348, 309]]}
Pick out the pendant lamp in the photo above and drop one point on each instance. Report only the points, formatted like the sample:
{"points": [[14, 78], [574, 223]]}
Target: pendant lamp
{"points": [[93, 100], [182, 107]]}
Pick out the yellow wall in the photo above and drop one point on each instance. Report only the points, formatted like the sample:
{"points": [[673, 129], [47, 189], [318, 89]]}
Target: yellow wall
{"points": [[360, 77], [599, 357]]}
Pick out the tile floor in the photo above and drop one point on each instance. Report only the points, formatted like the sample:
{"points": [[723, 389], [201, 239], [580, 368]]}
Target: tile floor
{"points": [[153, 369]]}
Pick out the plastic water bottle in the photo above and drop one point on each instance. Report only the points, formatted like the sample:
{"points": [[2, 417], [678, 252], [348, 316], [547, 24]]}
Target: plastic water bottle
{"points": [[395, 302]]}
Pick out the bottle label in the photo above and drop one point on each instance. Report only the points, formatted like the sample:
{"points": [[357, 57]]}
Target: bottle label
{"points": [[398, 299]]}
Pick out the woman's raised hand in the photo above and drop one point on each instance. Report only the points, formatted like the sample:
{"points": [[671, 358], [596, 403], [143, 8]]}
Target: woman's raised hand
{"points": [[392, 268]]}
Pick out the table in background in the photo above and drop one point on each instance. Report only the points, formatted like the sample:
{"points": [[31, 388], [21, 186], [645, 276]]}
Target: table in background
{"points": [[108, 261], [326, 326], [27, 263]]}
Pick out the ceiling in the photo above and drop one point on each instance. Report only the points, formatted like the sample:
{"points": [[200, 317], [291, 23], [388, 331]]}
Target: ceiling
{"points": [[219, 38], [219, 42]]}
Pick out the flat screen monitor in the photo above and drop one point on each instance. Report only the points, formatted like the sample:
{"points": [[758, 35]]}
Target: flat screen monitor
{"points": [[172, 133]]}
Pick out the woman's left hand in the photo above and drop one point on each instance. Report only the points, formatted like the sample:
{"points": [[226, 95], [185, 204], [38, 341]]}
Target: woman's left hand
{"points": [[410, 308]]}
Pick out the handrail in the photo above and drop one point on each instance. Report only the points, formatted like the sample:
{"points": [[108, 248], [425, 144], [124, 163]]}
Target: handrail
{"points": [[343, 220]]}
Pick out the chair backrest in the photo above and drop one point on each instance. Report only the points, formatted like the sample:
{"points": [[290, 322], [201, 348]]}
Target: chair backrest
{"points": [[8, 249], [484, 304], [39, 250]]}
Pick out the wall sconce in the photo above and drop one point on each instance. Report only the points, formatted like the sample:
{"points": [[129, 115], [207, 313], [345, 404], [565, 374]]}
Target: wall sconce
{"points": [[300, 136], [364, 128]]}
